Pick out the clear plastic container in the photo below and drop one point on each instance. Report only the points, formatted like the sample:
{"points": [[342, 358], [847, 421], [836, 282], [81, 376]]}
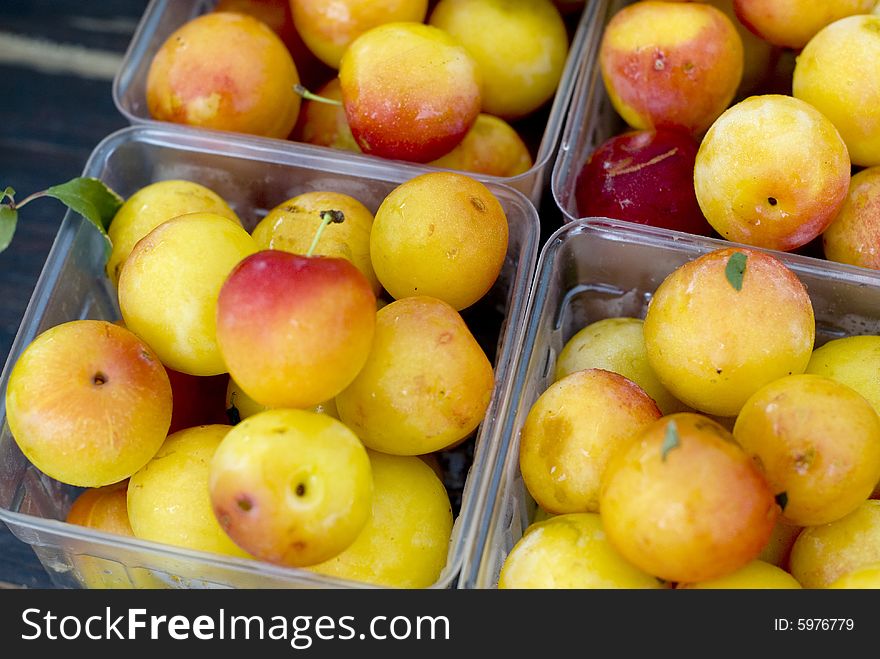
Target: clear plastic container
{"points": [[253, 178], [162, 17], [591, 119], [595, 268]]}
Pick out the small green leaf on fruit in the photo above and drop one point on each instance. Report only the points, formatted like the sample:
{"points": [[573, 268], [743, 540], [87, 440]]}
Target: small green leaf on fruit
{"points": [[670, 441], [8, 220], [782, 500], [90, 198], [8, 193], [736, 269]]}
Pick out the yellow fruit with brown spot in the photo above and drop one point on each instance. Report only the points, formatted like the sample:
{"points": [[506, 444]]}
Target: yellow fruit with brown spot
{"points": [[684, 502], [401, 402], [725, 324], [791, 186], [818, 443], [291, 487], [88, 403], [291, 226], [572, 431], [440, 234]]}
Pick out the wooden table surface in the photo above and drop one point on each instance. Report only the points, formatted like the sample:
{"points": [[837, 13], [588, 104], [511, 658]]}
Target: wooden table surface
{"points": [[57, 60]]}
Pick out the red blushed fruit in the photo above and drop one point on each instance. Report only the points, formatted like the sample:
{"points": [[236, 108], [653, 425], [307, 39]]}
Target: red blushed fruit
{"points": [[276, 14], [670, 64], [197, 400], [644, 177], [410, 91], [88, 403], [295, 330]]}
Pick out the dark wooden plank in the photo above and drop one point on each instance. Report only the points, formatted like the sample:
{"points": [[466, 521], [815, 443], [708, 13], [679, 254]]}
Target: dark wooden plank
{"points": [[101, 25], [49, 124]]}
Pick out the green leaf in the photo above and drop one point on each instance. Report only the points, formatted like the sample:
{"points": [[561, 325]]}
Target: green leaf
{"points": [[8, 193], [8, 220], [736, 269], [90, 198], [782, 500], [670, 441]]}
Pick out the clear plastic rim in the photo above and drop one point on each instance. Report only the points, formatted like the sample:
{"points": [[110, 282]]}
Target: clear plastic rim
{"points": [[583, 102]]}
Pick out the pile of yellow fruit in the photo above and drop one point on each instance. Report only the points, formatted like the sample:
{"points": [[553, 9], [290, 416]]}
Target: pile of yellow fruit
{"points": [[349, 367], [709, 445]]}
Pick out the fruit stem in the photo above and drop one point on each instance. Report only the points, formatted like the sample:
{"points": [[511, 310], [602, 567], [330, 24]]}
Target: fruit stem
{"points": [[16, 206], [10, 194], [327, 217], [309, 96], [232, 412]]}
